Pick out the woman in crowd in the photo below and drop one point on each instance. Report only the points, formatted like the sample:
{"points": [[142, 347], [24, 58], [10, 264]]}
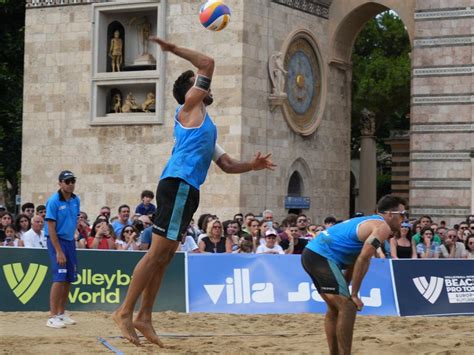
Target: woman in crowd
{"points": [[128, 239], [22, 224], [100, 237], [427, 246], [254, 229], [5, 220], [206, 219], [231, 230], [400, 244], [451, 248], [214, 242], [11, 238], [470, 247]]}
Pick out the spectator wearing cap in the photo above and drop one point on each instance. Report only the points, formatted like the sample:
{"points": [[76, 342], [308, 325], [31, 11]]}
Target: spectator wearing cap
{"points": [[34, 237], [270, 246], [28, 208], [400, 244], [62, 211]]}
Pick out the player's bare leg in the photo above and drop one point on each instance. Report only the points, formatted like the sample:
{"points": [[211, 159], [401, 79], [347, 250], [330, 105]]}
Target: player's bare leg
{"points": [[143, 321], [330, 324], [154, 261]]}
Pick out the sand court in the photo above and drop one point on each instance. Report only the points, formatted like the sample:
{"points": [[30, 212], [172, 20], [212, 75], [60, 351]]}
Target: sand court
{"points": [[26, 333]]}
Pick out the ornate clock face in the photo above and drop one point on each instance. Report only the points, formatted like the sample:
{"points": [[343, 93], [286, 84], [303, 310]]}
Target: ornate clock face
{"points": [[303, 85]]}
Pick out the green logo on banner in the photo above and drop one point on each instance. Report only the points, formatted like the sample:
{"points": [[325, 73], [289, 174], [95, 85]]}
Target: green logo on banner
{"points": [[24, 286]]}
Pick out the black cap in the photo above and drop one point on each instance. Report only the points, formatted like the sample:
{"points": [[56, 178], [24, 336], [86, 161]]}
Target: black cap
{"points": [[66, 175]]}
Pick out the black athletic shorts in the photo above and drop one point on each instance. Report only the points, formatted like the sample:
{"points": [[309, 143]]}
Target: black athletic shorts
{"points": [[176, 203], [326, 275]]}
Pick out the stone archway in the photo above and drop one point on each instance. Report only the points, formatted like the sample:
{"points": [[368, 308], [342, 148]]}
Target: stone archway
{"points": [[352, 17]]}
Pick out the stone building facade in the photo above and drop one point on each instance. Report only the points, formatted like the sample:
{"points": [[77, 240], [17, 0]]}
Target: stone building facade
{"points": [[114, 160]]}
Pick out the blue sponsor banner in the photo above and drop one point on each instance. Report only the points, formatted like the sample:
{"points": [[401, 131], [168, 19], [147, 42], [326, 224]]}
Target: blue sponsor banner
{"points": [[434, 287], [249, 283]]}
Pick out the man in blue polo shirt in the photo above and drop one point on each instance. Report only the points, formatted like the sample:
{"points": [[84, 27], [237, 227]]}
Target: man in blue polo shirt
{"points": [[62, 211]]}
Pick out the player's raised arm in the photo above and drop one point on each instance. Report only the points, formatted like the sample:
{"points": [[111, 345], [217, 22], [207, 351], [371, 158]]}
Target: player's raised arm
{"points": [[202, 62]]}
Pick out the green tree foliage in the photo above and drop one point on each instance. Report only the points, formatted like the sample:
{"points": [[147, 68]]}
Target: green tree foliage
{"points": [[381, 77], [12, 21]]}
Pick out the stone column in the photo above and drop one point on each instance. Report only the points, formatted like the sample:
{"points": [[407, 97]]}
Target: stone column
{"points": [[368, 164]]}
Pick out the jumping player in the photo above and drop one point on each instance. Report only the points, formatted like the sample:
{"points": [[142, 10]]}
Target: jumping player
{"points": [[348, 245], [177, 194]]}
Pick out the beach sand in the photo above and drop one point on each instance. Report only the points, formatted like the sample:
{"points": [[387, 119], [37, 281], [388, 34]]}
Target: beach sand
{"points": [[26, 333]]}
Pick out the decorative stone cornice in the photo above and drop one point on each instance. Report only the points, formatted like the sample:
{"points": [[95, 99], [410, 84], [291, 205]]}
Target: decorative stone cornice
{"points": [[444, 71], [454, 99], [444, 41], [430, 156], [443, 13], [50, 3], [439, 211], [443, 128], [314, 7]]}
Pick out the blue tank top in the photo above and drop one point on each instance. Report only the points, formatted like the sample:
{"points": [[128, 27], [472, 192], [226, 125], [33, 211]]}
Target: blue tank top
{"points": [[340, 243], [192, 152]]}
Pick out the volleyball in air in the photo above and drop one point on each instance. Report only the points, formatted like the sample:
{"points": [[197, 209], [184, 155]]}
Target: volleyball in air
{"points": [[214, 15]]}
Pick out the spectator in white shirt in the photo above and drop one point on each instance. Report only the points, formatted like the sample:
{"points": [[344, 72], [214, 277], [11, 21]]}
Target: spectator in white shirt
{"points": [[34, 238], [270, 246], [188, 245]]}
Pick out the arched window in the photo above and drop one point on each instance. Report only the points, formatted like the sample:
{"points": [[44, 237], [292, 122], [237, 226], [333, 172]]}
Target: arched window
{"points": [[295, 186]]}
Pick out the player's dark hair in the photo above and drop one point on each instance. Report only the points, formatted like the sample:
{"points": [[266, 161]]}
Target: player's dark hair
{"points": [[182, 85], [330, 219], [390, 203]]}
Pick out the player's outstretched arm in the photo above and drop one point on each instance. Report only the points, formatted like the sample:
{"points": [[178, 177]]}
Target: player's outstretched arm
{"points": [[205, 65], [233, 166]]}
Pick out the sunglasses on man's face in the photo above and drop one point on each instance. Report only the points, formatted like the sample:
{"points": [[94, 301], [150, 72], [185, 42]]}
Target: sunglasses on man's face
{"points": [[404, 214], [70, 181]]}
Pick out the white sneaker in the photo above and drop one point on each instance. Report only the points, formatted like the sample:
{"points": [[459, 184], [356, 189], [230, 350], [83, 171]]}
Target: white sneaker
{"points": [[66, 319], [55, 322]]}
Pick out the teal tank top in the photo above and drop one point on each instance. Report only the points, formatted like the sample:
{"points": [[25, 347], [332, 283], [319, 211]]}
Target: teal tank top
{"points": [[192, 152], [340, 243]]}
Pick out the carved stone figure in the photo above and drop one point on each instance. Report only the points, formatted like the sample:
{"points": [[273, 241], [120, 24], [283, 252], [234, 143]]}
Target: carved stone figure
{"points": [[149, 102], [277, 74], [145, 31], [367, 123], [117, 103], [129, 105], [116, 51]]}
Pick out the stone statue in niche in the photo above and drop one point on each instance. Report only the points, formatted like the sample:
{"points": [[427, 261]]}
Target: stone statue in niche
{"points": [[129, 105], [116, 51], [277, 75], [144, 29], [367, 123], [117, 103], [149, 104]]}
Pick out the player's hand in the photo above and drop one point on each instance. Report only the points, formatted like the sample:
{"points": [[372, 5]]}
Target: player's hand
{"points": [[262, 162], [357, 301], [165, 46], [61, 258]]}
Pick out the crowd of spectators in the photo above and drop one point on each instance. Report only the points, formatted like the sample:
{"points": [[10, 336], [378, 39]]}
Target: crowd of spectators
{"points": [[245, 233]]}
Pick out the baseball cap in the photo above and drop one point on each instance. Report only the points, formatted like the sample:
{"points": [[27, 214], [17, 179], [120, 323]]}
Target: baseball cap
{"points": [[406, 225], [3, 208], [66, 175], [270, 232]]}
